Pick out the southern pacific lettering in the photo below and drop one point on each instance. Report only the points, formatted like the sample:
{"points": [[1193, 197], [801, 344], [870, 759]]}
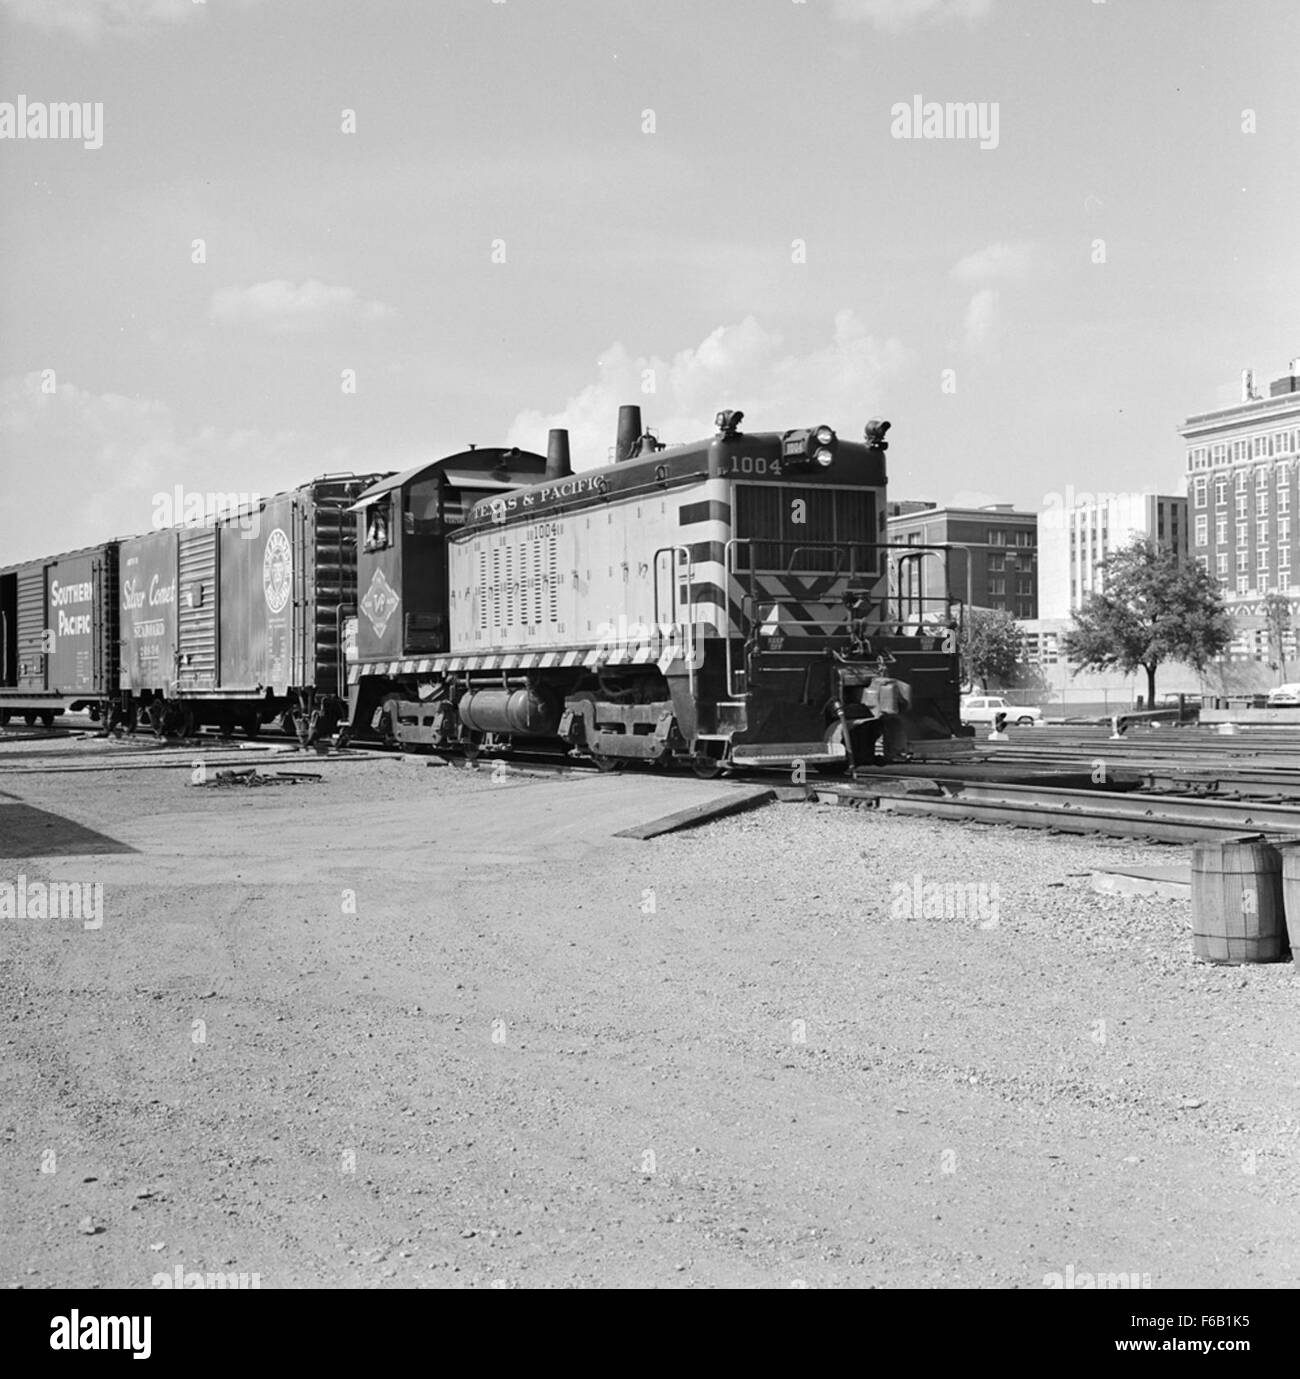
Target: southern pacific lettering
{"points": [[72, 624]]}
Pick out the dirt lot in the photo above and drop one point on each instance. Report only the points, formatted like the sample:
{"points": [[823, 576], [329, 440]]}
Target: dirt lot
{"points": [[409, 1026]]}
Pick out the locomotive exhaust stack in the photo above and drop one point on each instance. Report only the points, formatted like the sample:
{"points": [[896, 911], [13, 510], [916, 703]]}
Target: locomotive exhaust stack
{"points": [[557, 454], [629, 433]]}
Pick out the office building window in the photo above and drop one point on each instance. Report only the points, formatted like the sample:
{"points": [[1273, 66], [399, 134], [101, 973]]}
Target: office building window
{"points": [[1261, 560], [1243, 584], [1283, 531], [1241, 481], [1284, 500], [1221, 564], [1284, 558], [1241, 504], [1200, 491], [997, 538], [1261, 503], [1220, 493], [1261, 533], [1243, 561], [1241, 533], [1202, 530], [1220, 531]]}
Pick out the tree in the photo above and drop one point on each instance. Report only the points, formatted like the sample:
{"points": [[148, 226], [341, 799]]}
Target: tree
{"points": [[991, 646], [1152, 608], [1277, 617]]}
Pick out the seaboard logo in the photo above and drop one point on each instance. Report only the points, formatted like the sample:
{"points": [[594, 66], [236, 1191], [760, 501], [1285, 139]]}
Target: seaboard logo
{"points": [[277, 571]]}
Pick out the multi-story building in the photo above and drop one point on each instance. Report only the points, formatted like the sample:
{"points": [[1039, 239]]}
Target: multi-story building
{"points": [[996, 565], [1075, 537], [1241, 489]]}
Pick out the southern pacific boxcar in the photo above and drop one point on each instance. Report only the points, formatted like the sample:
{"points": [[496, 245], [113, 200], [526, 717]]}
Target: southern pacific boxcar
{"points": [[724, 603], [58, 635], [239, 621]]}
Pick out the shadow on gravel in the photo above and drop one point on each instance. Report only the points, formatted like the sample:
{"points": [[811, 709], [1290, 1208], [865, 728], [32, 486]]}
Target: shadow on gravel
{"points": [[29, 832]]}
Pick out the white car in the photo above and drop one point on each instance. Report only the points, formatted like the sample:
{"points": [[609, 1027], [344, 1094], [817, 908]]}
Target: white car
{"points": [[983, 708], [1284, 696]]}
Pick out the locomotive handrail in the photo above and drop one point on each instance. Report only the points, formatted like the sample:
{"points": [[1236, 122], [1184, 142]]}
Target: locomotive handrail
{"points": [[729, 571], [816, 546]]}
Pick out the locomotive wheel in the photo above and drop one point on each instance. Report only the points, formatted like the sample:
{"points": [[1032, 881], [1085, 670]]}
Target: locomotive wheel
{"points": [[605, 764], [387, 731], [707, 768]]}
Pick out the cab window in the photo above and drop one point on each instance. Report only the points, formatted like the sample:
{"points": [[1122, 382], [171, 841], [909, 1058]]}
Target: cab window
{"points": [[379, 525]]}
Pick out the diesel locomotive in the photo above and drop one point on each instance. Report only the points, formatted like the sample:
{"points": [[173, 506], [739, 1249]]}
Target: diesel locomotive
{"points": [[726, 603]]}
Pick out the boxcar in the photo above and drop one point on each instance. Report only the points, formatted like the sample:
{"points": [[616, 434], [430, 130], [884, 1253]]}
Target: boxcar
{"points": [[59, 634], [239, 622]]}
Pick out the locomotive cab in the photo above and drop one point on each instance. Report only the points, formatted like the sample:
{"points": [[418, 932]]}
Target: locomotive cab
{"points": [[403, 524]]}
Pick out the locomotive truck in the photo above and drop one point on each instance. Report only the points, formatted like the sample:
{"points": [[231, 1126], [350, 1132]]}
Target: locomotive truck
{"points": [[725, 603]]}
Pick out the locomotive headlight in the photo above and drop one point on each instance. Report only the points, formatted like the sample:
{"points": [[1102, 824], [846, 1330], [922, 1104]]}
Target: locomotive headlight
{"points": [[824, 457], [823, 436]]}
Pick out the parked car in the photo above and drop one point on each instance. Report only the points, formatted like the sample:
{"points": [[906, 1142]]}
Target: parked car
{"points": [[1284, 697], [984, 708]]}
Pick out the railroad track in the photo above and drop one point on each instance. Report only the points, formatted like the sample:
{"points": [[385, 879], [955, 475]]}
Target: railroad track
{"points": [[1130, 814], [1196, 785]]}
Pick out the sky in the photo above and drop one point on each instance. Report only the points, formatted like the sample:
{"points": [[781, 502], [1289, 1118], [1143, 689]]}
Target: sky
{"points": [[321, 236]]}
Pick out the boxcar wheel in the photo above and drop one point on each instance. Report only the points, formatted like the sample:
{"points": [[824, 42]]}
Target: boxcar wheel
{"points": [[47, 719], [252, 726], [29, 719], [5, 716]]}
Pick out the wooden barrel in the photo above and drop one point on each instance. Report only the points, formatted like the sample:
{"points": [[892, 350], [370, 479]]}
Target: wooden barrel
{"points": [[1290, 852], [1237, 913]]}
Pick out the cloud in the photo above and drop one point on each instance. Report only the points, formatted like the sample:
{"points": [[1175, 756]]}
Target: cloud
{"points": [[896, 15], [88, 19], [979, 326], [281, 307], [736, 366], [82, 467], [1000, 262]]}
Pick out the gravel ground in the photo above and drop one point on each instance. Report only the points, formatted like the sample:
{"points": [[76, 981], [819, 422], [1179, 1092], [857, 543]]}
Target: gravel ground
{"points": [[728, 1057]]}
